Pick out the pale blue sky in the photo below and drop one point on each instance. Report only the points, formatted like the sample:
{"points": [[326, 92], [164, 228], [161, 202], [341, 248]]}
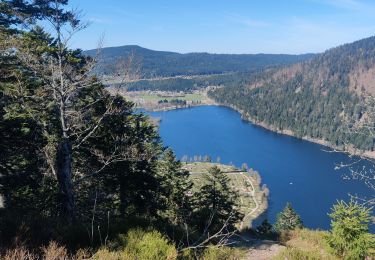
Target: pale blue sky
{"points": [[226, 26]]}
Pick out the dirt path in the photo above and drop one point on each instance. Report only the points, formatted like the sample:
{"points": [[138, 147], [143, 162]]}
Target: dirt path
{"points": [[258, 249], [252, 194], [264, 250]]}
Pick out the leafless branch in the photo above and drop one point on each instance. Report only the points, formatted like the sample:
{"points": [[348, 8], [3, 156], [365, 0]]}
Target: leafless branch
{"points": [[220, 237]]}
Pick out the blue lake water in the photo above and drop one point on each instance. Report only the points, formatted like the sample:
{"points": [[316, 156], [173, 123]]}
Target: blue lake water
{"points": [[294, 170]]}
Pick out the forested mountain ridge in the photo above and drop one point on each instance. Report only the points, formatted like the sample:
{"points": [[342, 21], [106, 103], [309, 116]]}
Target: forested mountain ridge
{"points": [[318, 98], [166, 64]]}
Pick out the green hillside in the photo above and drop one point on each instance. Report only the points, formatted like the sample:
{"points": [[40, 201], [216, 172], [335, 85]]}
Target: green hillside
{"points": [[166, 64]]}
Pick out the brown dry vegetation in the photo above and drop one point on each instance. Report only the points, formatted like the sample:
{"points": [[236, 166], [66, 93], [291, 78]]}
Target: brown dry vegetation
{"points": [[305, 244], [53, 251], [352, 68], [362, 78]]}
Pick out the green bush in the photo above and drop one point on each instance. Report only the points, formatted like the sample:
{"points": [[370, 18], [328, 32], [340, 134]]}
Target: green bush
{"points": [[154, 246], [105, 254], [138, 244]]}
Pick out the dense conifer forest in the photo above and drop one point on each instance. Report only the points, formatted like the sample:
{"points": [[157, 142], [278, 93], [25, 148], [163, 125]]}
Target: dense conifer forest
{"points": [[321, 98]]}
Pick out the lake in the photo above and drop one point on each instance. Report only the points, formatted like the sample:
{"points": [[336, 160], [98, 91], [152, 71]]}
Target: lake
{"points": [[294, 170]]}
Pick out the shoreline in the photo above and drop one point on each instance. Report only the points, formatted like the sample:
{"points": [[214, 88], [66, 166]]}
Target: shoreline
{"points": [[287, 132], [170, 108], [150, 100]]}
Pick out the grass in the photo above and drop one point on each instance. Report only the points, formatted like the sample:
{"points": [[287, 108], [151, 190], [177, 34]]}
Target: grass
{"points": [[149, 100], [193, 97], [305, 244], [223, 253]]}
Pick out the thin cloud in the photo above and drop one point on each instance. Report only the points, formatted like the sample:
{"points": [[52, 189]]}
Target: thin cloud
{"points": [[99, 20], [252, 23]]}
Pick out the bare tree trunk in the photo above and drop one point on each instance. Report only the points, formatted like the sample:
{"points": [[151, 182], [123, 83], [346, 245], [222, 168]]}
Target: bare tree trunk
{"points": [[64, 177], [123, 203]]}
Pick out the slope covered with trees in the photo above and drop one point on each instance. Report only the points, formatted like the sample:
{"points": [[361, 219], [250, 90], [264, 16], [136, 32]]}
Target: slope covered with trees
{"points": [[321, 98], [167, 64]]}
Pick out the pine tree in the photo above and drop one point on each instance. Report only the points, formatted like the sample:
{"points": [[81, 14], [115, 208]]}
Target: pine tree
{"points": [[24, 182], [176, 188], [265, 230], [216, 202], [288, 219], [130, 145], [350, 237]]}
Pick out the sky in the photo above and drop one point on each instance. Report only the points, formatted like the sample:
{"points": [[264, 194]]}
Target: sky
{"points": [[226, 26]]}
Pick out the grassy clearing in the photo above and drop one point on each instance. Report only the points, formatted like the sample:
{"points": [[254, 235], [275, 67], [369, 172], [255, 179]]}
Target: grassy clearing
{"points": [[192, 97], [252, 200], [152, 100]]}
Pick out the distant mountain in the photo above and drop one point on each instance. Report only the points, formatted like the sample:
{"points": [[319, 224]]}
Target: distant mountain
{"points": [[166, 64], [312, 98]]}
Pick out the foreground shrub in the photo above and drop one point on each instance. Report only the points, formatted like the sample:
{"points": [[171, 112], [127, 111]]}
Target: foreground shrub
{"points": [[138, 244], [55, 252], [105, 254], [154, 246], [18, 253]]}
